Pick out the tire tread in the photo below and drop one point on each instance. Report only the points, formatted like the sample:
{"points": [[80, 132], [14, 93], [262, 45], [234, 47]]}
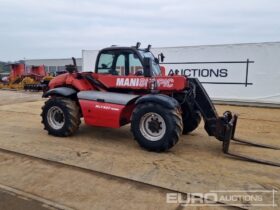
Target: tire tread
{"points": [[173, 135], [72, 112]]}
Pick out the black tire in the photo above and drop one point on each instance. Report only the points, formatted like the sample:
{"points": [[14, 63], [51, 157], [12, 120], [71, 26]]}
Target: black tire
{"points": [[71, 116], [190, 123], [170, 135]]}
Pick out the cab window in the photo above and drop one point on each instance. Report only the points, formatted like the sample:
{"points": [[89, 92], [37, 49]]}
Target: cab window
{"points": [[120, 65], [105, 63], [135, 65]]}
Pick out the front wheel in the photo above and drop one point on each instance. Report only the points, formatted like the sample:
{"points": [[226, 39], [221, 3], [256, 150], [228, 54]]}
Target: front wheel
{"points": [[60, 116], [191, 122], [155, 127]]}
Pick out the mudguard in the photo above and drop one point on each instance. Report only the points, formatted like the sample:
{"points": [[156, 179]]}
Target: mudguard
{"points": [[61, 91], [161, 99]]}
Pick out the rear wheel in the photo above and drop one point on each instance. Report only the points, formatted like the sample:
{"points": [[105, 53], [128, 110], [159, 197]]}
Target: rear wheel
{"points": [[155, 127], [60, 116]]}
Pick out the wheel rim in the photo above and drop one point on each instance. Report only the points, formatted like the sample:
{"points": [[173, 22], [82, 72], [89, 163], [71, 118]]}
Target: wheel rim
{"points": [[56, 117], [152, 126]]}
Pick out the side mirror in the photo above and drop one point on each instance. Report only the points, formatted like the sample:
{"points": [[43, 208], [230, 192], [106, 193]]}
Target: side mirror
{"points": [[147, 64], [161, 57]]}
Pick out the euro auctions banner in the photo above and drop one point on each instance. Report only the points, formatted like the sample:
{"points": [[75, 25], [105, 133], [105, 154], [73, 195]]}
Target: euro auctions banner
{"points": [[237, 72]]}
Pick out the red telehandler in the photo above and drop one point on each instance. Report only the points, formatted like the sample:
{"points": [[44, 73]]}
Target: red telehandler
{"points": [[128, 87]]}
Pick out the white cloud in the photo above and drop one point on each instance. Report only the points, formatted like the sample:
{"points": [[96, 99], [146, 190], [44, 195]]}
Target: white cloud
{"points": [[61, 28]]}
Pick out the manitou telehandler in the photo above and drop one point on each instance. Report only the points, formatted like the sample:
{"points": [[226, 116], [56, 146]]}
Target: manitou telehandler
{"points": [[128, 86]]}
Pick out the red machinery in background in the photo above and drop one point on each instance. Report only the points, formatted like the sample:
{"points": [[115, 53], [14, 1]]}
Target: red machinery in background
{"points": [[21, 77], [17, 70]]}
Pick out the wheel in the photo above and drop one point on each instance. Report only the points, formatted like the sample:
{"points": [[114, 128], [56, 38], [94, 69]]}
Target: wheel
{"points": [[60, 116], [190, 123], [155, 127]]}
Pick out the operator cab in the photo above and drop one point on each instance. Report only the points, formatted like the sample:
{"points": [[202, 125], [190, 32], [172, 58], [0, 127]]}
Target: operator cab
{"points": [[127, 61]]}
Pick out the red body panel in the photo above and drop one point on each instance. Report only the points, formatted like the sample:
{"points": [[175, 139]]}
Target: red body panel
{"points": [[162, 69], [105, 114], [164, 83], [58, 81], [70, 80]]}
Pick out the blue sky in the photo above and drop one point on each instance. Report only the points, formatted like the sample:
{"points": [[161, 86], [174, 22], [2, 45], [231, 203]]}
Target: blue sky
{"points": [[62, 28]]}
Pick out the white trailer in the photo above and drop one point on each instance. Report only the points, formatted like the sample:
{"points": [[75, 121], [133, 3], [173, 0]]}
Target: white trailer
{"points": [[243, 73]]}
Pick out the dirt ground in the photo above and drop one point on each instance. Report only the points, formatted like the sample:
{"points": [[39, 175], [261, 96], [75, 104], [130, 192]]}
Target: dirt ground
{"points": [[195, 165], [13, 202]]}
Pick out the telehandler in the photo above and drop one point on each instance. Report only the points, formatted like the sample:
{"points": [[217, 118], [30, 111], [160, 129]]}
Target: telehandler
{"points": [[129, 86]]}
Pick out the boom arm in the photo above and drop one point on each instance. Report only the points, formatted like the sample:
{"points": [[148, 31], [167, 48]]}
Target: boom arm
{"points": [[223, 128], [220, 127]]}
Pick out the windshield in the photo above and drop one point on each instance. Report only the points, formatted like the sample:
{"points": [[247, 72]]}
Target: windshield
{"points": [[155, 68]]}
